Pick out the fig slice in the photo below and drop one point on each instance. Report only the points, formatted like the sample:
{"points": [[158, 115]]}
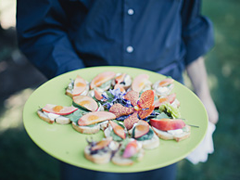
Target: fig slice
{"points": [[146, 112], [118, 130], [132, 96], [131, 149], [141, 129], [86, 102], [131, 120], [170, 98], [146, 100], [101, 144], [95, 117], [102, 78], [79, 86], [139, 82], [167, 124], [119, 110], [166, 82], [60, 110]]}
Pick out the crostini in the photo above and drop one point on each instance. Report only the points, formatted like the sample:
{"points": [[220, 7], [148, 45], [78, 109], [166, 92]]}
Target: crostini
{"points": [[55, 113], [171, 129], [100, 152], [144, 134], [77, 87], [130, 151]]}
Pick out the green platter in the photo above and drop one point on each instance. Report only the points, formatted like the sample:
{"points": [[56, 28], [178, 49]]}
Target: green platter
{"points": [[65, 144]]}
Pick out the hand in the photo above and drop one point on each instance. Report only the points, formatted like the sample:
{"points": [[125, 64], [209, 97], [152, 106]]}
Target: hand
{"points": [[211, 108], [198, 76]]}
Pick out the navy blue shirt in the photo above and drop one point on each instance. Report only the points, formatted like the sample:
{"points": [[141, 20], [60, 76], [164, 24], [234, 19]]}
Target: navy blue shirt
{"points": [[159, 35]]}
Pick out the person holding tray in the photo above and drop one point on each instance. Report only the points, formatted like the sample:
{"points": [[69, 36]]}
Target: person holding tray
{"points": [[167, 37]]}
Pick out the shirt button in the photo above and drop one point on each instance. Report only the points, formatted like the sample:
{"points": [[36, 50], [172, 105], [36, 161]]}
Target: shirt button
{"points": [[129, 49], [130, 11]]}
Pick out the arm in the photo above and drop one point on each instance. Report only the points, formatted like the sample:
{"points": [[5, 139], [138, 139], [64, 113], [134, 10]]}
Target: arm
{"points": [[198, 76], [42, 28], [197, 34]]}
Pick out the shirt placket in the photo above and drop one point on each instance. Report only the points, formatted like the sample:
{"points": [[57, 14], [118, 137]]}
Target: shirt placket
{"points": [[128, 47]]}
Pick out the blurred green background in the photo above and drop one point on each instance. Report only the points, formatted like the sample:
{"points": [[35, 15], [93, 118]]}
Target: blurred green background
{"points": [[20, 158]]}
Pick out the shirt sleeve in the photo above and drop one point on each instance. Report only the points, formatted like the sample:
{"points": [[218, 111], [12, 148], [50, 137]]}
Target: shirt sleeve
{"points": [[43, 38], [197, 31]]}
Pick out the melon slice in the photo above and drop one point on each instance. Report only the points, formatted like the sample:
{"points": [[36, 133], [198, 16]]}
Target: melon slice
{"points": [[118, 130], [101, 144], [102, 78], [79, 86], [120, 87], [139, 82], [97, 95], [167, 124], [60, 110], [141, 129], [166, 82], [170, 98], [86, 102], [120, 78], [95, 117]]}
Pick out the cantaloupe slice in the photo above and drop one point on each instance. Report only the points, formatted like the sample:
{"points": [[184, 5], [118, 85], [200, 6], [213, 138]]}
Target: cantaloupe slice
{"points": [[79, 86], [102, 78], [86, 102], [95, 117], [57, 109], [139, 82]]}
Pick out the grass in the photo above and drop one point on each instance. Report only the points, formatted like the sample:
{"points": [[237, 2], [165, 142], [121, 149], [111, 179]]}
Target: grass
{"points": [[223, 69], [20, 158]]}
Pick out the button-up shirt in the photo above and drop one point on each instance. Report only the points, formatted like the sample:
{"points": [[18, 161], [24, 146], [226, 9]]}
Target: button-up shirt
{"points": [[158, 35]]}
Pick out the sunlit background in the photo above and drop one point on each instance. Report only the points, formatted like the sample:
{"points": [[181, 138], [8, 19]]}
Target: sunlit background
{"points": [[20, 158]]}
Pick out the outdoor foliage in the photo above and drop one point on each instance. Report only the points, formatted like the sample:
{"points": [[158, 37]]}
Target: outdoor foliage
{"points": [[20, 158]]}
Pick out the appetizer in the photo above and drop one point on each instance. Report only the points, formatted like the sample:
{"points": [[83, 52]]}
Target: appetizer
{"points": [[116, 130], [56, 113], [122, 80], [163, 87], [102, 80], [144, 134], [76, 87], [141, 83], [100, 152], [170, 129], [92, 122], [130, 151]]}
